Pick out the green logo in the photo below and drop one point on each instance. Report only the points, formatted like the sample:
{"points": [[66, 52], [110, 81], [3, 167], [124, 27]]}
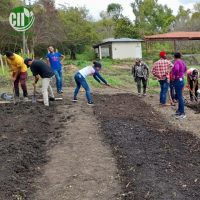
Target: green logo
{"points": [[21, 19]]}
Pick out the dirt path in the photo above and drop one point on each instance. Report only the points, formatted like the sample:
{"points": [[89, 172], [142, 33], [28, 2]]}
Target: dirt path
{"points": [[81, 166]]}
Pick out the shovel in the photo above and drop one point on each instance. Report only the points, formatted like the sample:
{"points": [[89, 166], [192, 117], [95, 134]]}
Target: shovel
{"points": [[34, 94]]}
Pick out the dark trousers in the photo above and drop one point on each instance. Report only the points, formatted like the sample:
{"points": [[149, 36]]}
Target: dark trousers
{"points": [[141, 81], [21, 78], [196, 89]]}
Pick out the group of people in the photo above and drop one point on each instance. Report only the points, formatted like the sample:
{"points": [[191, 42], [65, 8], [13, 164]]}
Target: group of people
{"points": [[170, 75], [53, 67], [46, 71]]}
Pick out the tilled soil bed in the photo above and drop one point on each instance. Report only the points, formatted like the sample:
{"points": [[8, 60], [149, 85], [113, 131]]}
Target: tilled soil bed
{"points": [[155, 161], [26, 133]]}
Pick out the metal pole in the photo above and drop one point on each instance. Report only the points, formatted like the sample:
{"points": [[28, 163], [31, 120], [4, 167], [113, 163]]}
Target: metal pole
{"points": [[24, 36]]}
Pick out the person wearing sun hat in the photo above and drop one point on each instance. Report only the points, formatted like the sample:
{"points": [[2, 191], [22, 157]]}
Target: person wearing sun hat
{"points": [[161, 70]]}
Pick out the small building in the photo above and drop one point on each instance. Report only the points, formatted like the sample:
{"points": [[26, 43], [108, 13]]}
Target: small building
{"points": [[122, 48]]}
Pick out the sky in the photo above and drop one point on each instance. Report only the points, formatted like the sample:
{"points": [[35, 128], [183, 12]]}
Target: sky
{"points": [[96, 6]]}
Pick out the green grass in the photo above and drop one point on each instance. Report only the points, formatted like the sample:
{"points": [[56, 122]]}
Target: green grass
{"points": [[116, 72]]}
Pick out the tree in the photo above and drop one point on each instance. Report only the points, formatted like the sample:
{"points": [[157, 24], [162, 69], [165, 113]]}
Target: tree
{"points": [[77, 30], [9, 38], [152, 17], [182, 19], [115, 10], [125, 28], [46, 30]]}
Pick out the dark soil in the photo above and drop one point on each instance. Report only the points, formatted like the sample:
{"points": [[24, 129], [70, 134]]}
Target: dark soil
{"points": [[155, 161], [194, 106], [26, 133]]}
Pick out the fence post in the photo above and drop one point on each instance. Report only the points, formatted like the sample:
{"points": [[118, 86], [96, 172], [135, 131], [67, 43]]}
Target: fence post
{"points": [[2, 65]]}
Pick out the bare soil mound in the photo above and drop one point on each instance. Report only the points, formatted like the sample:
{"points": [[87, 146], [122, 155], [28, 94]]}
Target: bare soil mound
{"points": [[26, 132]]}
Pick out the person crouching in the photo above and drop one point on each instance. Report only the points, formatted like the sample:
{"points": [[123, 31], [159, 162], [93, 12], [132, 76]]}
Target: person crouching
{"points": [[41, 69]]}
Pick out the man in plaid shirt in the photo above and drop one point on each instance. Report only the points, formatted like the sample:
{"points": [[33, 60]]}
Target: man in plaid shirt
{"points": [[161, 70]]}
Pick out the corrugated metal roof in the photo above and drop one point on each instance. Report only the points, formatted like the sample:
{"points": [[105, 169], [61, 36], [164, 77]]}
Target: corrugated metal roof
{"points": [[122, 40], [175, 36], [113, 40]]}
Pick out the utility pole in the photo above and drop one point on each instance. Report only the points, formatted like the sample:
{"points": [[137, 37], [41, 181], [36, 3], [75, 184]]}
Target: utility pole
{"points": [[24, 36]]}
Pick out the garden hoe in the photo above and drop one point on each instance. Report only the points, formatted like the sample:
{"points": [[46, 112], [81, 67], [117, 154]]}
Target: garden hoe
{"points": [[34, 95]]}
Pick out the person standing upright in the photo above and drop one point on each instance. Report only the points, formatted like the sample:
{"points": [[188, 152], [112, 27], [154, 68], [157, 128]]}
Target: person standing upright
{"points": [[178, 72], [161, 70], [140, 73], [54, 60], [19, 74]]}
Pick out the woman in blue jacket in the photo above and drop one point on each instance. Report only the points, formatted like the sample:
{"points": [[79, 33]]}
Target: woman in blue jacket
{"points": [[80, 79]]}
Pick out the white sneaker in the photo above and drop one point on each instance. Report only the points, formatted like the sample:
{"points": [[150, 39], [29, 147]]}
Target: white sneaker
{"points": [[90, 103], [182, 116]]}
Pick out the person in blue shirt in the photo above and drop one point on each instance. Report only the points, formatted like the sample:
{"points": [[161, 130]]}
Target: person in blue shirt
{"points": [[54, 60], [80, 79]]}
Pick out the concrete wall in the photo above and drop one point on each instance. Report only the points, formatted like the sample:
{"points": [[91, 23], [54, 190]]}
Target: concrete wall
{"points": [[127, 50]]}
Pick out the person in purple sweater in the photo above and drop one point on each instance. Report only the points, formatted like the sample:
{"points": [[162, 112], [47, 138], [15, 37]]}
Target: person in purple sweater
{"points": [[178, 73]]}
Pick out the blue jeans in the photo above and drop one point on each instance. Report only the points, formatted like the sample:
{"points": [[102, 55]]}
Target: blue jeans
{"points": [[80, 81], [179, 85], [58, 75], [172, 91], [164, 85]]}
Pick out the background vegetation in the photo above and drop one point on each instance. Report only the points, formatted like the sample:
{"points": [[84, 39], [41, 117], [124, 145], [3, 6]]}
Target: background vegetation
{"points": [[73, 31]]}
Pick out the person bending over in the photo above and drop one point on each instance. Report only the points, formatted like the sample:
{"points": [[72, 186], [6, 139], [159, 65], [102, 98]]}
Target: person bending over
{"points": [[80, 79], [41, 69], [19, 74], [193, 81]]}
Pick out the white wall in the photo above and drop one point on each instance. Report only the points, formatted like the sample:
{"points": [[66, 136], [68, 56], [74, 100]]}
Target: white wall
{"points": [[105, 51], [128, 50]]}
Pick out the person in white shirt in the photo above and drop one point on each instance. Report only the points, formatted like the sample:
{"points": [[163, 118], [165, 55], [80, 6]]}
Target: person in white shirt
{"points": [[80, 79]]}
